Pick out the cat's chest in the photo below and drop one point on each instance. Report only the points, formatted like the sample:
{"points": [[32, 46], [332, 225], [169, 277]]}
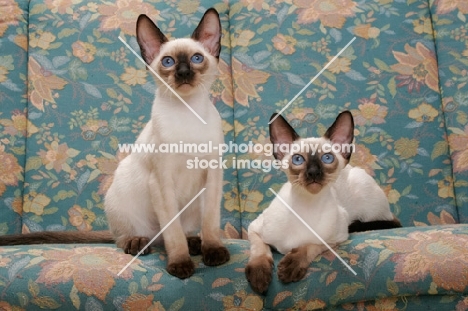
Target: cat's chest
{"points": [[283, 230], [180, 130], [173, 122]]}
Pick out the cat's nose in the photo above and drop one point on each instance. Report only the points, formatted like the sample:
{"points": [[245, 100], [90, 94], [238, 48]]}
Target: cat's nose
{"points": [[183, 72], [314, 174]]}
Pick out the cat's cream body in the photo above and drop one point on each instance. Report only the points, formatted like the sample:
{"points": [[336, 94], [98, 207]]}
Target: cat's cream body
{"points": [[141, 178], [361, 196], [353, 196], [322, 211], [150, 189]]}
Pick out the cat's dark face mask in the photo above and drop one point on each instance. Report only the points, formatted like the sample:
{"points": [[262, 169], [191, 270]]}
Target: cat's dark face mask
{"points": [[183, 73]]}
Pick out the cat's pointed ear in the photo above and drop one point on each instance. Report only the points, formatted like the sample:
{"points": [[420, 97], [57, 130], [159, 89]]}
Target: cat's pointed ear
{"points": [[149, 38], [281, 133], [208, 32], [342, 132]]}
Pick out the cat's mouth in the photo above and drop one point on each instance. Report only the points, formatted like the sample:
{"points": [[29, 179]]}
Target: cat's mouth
{"points": [[184, 86], [314, 187]]}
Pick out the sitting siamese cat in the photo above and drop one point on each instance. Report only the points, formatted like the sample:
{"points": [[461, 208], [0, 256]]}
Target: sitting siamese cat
{"points": [[150, 189]]}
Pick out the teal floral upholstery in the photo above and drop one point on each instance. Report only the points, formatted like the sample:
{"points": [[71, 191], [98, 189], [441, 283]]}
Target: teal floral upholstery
{"points": [[451, 39], [13, 114], [71, 92], [395, 268], [387, 80], [85, 277], [391, 266]]}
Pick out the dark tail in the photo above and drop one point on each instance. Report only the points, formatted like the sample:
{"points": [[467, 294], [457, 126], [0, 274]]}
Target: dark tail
{"points": [[359, 226], [57, 237]]}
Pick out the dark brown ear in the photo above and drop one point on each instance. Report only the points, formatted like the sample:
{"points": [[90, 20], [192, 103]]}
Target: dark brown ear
{"points": [[341, 132], [208, 32], [281, 133], [149, 38]]}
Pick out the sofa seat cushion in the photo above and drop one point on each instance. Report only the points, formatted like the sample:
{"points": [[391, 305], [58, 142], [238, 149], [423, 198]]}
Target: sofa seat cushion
{"points": [[390, 265], [86, 277], [394, 267], [410, 303]]}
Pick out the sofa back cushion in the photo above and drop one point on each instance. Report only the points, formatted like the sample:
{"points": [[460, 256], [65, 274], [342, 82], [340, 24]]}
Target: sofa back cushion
{"points": [[88, 93], [13, 115], [387, 77], [451, 40]]}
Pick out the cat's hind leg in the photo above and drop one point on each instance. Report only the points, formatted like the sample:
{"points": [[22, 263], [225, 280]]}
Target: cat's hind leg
{"points": [[259, 269], [128, 208], [294, 265]]}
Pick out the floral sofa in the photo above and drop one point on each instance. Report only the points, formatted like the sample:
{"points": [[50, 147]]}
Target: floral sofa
{"points": [[70, 92]]}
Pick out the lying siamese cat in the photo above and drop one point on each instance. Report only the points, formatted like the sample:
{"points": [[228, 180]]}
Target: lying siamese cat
{"points": [[148, 190], [331, 196]]}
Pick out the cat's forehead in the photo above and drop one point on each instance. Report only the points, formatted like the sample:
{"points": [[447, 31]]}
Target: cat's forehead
{"points": [[182, 46], [312, 141], [311, 146]]}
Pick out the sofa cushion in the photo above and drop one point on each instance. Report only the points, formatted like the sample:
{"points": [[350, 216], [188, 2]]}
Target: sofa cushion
{"points": [[86, 277], [413, 266], [13, 115], [449, 21], [89, 93], [387, 77], [413, 303], [392, 267]]}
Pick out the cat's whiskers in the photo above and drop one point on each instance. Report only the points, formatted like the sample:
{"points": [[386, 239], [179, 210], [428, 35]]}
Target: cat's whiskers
{"points": [[206, 78], [298, 183], [208, 74], [202, 86], [331, 178], [294, 176], [165, 93]]}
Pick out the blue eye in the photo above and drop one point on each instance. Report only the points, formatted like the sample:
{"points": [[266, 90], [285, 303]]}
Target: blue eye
{"points": [[167, 61], [328, 158], [197, 58], [297, 159]]}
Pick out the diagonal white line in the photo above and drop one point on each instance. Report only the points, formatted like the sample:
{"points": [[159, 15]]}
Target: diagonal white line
{"points": [[162, 230], [313, 79], [161, 79], [313, 231]]}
